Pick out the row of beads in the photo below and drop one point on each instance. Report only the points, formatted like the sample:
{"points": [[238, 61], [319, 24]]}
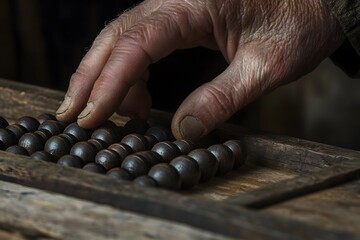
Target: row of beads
{"points": [[148, 155], [187, 169]]}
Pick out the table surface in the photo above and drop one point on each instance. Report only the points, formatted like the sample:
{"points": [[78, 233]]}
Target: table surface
{"points": [[288, 189]]}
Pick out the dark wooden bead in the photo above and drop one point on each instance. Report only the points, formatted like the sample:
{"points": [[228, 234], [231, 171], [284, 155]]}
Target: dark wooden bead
{"points": [[160, 133], [44, 156], [108, 159], [136, 165], [45, 134], [151, 140], [136, 125], [28, 122], [167, 150], [185, 146], [32, 142], [81, 134], [2, 146], [98, 144], [151, 158], [84, 150], [17, 150], [145, 181], [3, 122], [45, 116], [53, 126], [238, 151], [7, 137], [108, 135], [188, 170], [136, 142], [62, 124], [224, 156], [71, 161], [206, 161], [119, 173], [17, 129], [121, 149], [72, 140], [94, 167], [57, 146], [166, 176]]}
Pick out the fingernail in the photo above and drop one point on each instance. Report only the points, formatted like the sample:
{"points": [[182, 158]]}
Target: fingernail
{"points": [[191, 128], [89, 108], [64, 105]]}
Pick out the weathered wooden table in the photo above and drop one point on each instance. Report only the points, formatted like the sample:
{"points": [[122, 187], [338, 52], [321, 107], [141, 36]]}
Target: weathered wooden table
{"points": [[288, 189]]}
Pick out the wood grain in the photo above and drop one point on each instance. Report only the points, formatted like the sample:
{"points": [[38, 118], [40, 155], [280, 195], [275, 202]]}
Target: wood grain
{"points": [[11, 235], [299, 186], [246, 179], [41, 215], [334, 208]]}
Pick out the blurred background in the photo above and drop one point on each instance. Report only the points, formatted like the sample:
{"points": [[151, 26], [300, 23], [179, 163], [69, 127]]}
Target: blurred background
{"points": [[42, 43]]}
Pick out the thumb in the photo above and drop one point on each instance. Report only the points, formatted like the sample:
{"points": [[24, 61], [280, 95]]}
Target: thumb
{"points": [[245, 79]]}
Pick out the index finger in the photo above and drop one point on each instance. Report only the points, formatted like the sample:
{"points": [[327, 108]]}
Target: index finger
{"points": [[90, 67], [155, 36]]}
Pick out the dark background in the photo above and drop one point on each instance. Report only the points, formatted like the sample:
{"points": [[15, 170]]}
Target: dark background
{"points": [[43, 41]]}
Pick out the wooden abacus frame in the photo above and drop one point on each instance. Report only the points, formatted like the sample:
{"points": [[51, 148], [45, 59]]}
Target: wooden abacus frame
{"points": [[316, 167]]}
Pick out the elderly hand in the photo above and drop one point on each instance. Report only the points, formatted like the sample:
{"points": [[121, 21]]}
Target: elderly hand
{"points": [[266, 43]]}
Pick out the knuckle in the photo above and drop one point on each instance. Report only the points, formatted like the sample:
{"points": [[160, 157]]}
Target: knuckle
{"points": [[136, 39], [190, 17], [79, 76], [112, 29]]}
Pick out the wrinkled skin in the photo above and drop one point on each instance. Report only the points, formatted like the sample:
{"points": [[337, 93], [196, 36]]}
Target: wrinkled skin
{"points": [[267, 43]]}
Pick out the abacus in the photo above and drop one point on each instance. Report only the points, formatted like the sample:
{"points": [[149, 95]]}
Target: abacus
{"points": [[147, 155], [131, 179]]}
